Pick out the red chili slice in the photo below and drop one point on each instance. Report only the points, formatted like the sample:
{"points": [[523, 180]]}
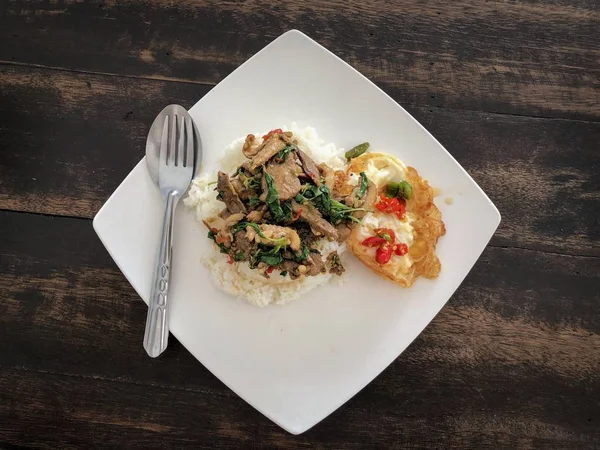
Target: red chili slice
{"points": [[297, 215], [391, 206], [386, 233], [384, 254], [401, 211], [373, 241], [401, 249]]}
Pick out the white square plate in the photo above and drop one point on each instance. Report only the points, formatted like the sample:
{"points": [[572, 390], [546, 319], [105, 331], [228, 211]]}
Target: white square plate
{"points": [[297, 363]]}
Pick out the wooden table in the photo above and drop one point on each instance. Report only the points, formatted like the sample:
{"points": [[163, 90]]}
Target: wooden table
{"points": [[510, 88]]}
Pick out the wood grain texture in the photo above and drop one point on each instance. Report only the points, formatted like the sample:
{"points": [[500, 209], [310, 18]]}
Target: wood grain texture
{"points": [[72, 359], [510, 87], [521, 57], [68, 140], [90, 131]]}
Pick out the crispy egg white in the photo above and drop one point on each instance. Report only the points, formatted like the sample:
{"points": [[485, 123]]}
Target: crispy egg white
{"points": [[381, 173], [419, 229]]}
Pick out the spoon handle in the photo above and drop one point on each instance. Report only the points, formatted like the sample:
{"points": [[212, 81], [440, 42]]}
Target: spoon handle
{"points": [[156, 334]]}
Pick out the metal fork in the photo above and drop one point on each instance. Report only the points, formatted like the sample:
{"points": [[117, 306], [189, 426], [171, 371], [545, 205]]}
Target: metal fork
{"points": [[175, 172]]}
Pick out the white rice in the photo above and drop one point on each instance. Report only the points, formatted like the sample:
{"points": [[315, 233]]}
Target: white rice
{"points": [[238, 279]]}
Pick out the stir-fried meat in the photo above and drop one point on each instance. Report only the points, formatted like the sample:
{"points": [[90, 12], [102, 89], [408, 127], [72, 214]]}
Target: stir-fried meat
{"points": [[306, 233], [242, 191], [310, 167], [273, 235], [367, 202], [256, 216], [273, 145], [290, 248], [335, 265], [251, 146], [224, 237], [287, 137], [285, 178], [246, 166], [221, 227], [243, 245], [328, 174], [232, 220], [344, 230], [313, 217], [214, 223], [228, 194], [315, 265], [291, 267]]}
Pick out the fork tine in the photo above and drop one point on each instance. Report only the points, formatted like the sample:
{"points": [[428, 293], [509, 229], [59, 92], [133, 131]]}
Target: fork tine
{"points": [[189, 138], [163, 152], [172, 141], [180, 161]]}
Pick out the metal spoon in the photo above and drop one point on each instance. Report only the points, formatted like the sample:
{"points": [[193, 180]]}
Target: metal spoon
{"points": [[173, 152]]}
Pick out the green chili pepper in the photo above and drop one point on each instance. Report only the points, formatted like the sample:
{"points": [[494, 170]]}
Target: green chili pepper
{"points": [[403, 189], [357, 151]]}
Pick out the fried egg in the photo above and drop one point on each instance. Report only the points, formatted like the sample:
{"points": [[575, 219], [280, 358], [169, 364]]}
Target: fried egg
{"points": [[419, 229]]}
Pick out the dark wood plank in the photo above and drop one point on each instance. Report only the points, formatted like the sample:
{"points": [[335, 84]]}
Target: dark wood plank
{"points": [[511, 361], [53, 411], [543, 175], [527, 57], [80, 134], [67, 140]]}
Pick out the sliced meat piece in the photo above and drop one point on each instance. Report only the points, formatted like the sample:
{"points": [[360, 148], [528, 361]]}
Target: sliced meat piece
{"points": [[309, 214], [328, 174], [214, 223], [315, 265], [285, 179], [242, 191], [243, 245], [291, 267], [310, 167], [335, 264], [273, 145], [288, 137], [306, 233], [272, 233], [367, 202], [351, 199], [246, 166], [233, 219], [251, 146], [344, 230], [228, 194], [256, 215]]}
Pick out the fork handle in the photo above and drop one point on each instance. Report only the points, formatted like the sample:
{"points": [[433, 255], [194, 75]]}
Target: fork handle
{"points": [[156, 334]]}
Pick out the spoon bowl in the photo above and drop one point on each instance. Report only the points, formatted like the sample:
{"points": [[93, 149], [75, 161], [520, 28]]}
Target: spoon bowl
{"points": [[155, 135]]}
